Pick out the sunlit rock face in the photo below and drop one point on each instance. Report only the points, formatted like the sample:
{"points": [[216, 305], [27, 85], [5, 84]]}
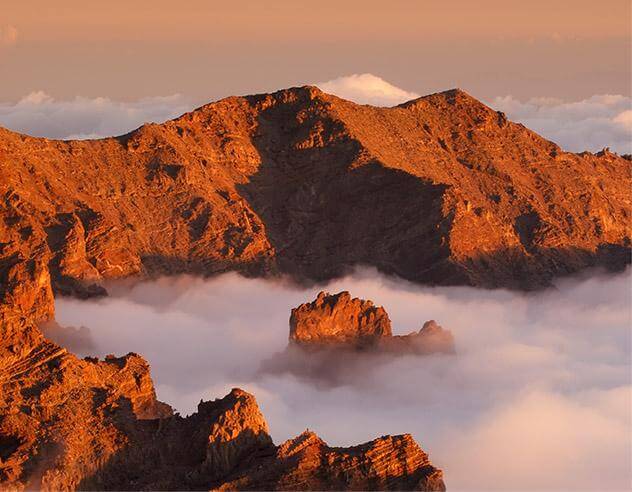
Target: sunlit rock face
{"points": [[342, 322], [116, 436], [440, 190], [336, 339], [338, 320]]}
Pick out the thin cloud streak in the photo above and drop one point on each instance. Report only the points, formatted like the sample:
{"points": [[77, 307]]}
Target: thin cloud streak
{"points": [[591, 124]]}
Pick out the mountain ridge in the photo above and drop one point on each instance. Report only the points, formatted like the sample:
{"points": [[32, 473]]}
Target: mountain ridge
{"points": [[443, 191]]}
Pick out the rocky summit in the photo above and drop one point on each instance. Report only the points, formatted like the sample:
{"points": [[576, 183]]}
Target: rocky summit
{"points": [[442, 190]]}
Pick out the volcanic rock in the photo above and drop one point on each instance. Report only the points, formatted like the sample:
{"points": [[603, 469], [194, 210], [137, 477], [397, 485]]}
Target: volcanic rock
{"points": [[440, 190], [70, 424], [386, 463], [337, 320], [341, 322], [337, 340]]}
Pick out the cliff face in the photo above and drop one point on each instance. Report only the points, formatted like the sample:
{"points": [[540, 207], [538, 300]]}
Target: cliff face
{"points": [[226, 446], [338, 320], [62, 418], [85, 424]]}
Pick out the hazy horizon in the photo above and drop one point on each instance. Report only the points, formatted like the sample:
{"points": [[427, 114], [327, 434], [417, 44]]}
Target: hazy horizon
{"points": [[569, 50]]}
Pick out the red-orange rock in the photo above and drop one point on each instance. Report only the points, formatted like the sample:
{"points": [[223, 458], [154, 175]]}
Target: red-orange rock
{"points": [[440, 190], [338, 319], [341, 322]]}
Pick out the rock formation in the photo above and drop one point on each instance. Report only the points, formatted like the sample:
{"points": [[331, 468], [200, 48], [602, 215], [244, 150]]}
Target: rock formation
{"points": [[337, 340], [340, 322], [71, 424], [440, 190]]}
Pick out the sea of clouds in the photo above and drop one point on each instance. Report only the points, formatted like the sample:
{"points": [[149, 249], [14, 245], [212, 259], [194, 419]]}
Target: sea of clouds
{"points": [[590, 124], [539, 395]]}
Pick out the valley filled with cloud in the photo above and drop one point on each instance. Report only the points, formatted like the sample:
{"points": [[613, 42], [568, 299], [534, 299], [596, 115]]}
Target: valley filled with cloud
{"points": [[538, 393]]}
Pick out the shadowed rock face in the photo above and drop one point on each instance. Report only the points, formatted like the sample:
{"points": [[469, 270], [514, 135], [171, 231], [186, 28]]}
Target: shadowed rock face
{"points": [[341, 322]]}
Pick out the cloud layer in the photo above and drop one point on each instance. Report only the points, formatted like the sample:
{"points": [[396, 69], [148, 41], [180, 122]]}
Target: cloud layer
{"points": [[592, 124], [367, 88], [538, 396], [40, 115]]}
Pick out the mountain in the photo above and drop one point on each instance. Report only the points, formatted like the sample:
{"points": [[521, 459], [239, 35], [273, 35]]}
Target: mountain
{"points": [[441, 190], [333, 322]]}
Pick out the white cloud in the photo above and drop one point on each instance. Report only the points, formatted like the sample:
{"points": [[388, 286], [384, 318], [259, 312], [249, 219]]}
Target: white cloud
{"points": [[591, 124], [8, 35], [537, 397], [40, 115], [367, 88]]}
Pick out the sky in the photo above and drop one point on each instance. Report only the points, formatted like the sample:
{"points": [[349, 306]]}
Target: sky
{"points": [[565, 49], [538, 395]]}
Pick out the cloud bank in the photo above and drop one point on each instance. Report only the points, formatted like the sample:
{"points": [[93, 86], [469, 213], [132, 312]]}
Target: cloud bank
{"points": [[591, 124], [539, 395], [40, 115], [367, 88]]}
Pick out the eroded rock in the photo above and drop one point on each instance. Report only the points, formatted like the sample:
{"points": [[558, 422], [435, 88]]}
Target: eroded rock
{"points": [[339, 321]]}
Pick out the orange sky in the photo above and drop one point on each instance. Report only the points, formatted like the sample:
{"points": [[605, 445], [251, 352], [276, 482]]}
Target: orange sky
{"points": [[206, 49]]}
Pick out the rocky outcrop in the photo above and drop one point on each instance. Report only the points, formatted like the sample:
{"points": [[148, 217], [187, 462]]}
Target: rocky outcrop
{"points": [[338, 320], [387, 463], [226, 446], [341, 322], [71, 424], [61, 418], [337, 340]]}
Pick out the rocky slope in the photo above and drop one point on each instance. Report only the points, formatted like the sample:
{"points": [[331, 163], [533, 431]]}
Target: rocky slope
{"points": [[71, 424]]}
